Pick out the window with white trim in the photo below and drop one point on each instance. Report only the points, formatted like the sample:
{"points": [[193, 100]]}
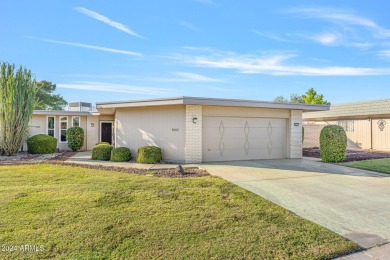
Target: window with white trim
{"points": [[50, 125], [76, 121], [63, 128]]}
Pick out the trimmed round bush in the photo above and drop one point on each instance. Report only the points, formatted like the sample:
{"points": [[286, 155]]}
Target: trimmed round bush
{"points": [[102, 152], [333, 144], [75, 137], [149, 154], [102, 143], [41, 144], [120, 154]]}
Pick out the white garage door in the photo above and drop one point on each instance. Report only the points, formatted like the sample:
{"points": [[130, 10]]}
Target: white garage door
{"points": [[238, 138]]}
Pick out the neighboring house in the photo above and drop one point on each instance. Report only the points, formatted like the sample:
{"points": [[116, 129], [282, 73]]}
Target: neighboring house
{"points": [[187, 129], [367, 124]]}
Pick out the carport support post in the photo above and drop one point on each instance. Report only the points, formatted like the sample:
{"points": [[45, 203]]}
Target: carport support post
{"points": [[193, 143], [295, 134]]}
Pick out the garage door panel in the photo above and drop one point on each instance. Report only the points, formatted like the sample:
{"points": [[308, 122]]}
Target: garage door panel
{"points": [[231, 138], [262, 143], [234, 132], [241, 122], [240, 144], [226, 122], [227, 133], [238, 154], [266, 134], [234, 143]]}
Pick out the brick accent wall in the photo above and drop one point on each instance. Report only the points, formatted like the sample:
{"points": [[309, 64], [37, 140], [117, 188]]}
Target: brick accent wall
{"points": [[295, 134], [193, 147]]}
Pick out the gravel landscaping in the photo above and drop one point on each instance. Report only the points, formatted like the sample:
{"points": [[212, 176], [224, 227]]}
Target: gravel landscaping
{"points": [[23, 158], [352, 154], [26, 158]]}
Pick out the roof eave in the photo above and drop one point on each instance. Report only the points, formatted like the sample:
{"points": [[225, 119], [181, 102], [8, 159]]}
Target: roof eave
{"points": [[62, 113], [211, 102], [350, 117]]}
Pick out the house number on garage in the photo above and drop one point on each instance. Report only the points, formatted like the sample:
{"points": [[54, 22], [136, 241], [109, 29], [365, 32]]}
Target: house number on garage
{"points": [[296, 124]]}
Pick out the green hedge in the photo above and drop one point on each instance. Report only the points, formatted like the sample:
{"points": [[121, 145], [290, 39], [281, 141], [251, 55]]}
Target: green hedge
{"points": [[75, 137], [102, 143], [102, 152], [149, 154], [333, 144], [41, 144], [120, 154]]}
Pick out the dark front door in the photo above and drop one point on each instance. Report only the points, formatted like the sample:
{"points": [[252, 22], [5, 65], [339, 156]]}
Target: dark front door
{"points": [[106, 133]]}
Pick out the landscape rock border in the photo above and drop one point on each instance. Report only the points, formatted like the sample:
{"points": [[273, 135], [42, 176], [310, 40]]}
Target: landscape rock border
{"points": [[60, 159], [352, 154]]}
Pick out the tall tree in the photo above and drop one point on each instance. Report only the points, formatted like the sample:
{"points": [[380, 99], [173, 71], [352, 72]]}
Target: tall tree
{"points": [[294, 98], [281, 99], [311, 97], [18, 91], [46, 100]]}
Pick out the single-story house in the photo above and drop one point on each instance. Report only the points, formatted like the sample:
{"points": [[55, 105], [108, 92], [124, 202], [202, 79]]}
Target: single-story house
{"points": [[367, 124], [187, 129]]}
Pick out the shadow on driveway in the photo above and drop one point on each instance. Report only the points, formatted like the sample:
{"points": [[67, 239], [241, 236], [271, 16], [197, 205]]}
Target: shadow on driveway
{"points": [[351, 202], [301, 165]]}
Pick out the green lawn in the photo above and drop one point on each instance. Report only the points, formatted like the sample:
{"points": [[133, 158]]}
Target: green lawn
{"points": [[377, 165], [81, 213]]}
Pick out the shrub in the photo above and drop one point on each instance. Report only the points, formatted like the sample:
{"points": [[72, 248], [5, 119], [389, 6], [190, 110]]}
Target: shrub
{"points": [[41, 144], [120, 154], [102, 143], [102, 152], [75, 137], [149, 154], [333, 144]]}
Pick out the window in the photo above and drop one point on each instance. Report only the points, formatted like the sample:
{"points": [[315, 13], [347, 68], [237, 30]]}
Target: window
{"points": [[348, 125], [76, 121], [50, 125], [63, 128]]}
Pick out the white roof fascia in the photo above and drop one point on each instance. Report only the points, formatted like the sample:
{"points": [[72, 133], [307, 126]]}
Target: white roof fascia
{"points": [[211, 102], [62, 113]]}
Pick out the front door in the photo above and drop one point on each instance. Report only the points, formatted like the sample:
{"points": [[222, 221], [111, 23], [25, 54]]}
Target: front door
{"points": [[106, 132]]}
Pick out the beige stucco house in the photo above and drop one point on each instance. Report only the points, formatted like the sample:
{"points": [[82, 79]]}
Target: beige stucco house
{"points": [[187, 129], [367, 124]]}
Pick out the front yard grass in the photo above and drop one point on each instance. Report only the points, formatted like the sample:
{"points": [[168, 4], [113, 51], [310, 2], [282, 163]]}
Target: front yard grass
{"points": [[80, 213], [377, 165]]}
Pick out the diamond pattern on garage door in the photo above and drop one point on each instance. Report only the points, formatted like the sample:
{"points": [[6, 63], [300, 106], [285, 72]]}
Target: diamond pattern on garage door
{"points": [[238, 138]]}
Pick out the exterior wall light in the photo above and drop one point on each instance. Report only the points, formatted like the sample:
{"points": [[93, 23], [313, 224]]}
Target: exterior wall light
{"points": [[194, 120], [92, 124]]}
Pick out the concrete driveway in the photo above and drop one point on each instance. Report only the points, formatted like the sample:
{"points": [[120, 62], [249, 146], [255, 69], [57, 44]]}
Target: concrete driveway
{"points": [[353, 203]]}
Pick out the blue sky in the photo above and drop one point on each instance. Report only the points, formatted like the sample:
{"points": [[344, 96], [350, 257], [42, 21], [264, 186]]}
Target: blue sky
{"points": [[120, 50]]}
